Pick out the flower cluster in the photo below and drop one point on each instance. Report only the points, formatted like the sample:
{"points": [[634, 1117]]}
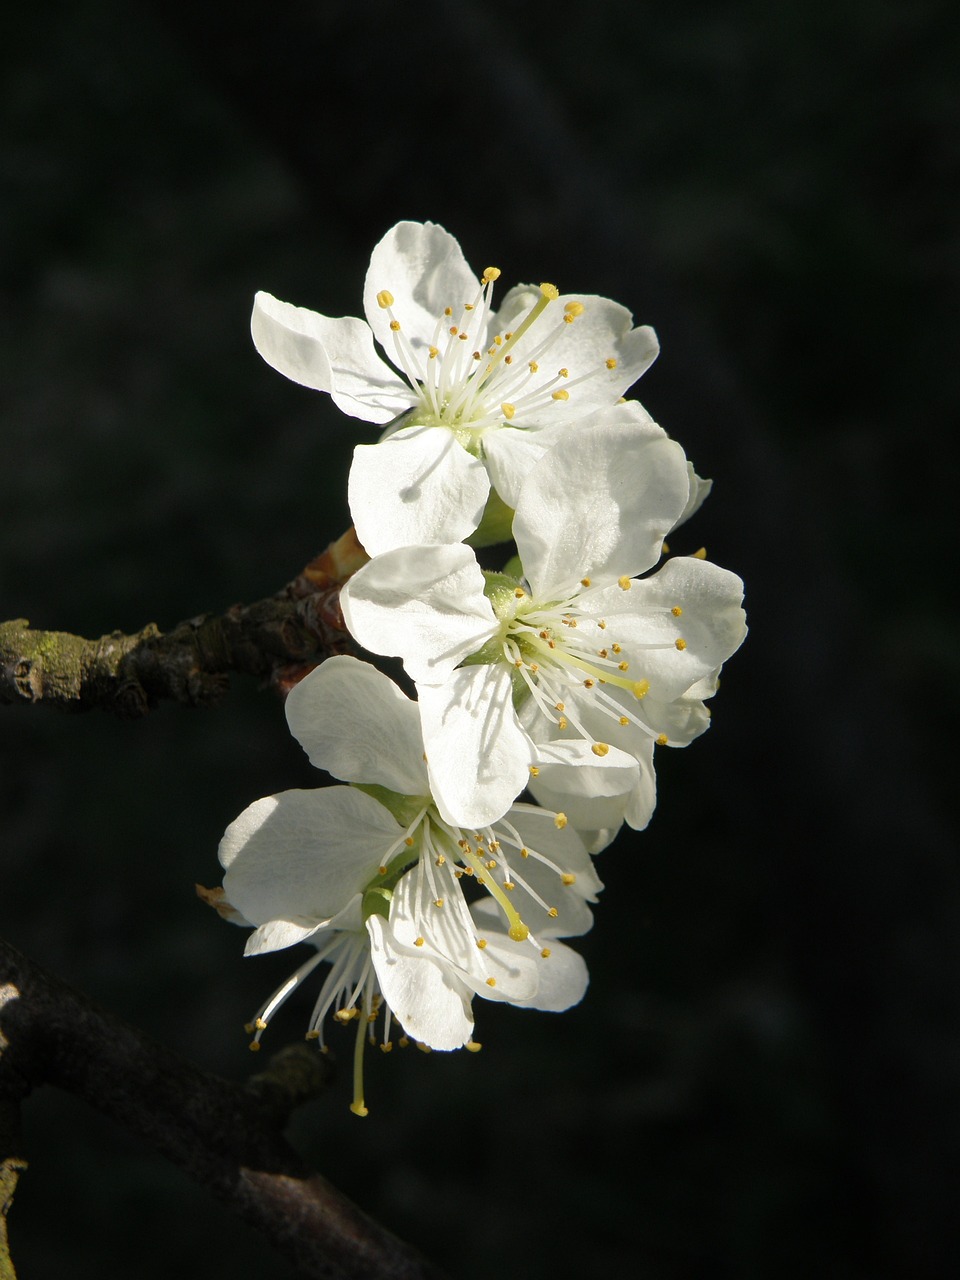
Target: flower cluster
{"points": [[426, 879]]}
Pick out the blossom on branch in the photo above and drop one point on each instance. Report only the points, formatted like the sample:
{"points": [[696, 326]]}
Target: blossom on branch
{"points": [[373, 877], [472, 396], [572, 650]]}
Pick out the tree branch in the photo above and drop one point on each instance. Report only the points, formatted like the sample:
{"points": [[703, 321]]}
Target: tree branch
{"points": [[225, 1135], [130, 674]]}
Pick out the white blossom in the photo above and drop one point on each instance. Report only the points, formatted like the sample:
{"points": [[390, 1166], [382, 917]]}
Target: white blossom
{"points": [[372, 876], [575, 649], [472, 396]]}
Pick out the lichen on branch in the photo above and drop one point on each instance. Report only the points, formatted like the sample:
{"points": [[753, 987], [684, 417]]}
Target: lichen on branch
{"points": [[129, 674]]}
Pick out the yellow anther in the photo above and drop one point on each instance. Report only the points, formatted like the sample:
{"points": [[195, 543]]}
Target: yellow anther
{"points": [[476, 355], [568, 878], [641, 688], [534, 667], [560, 706], [602, 624], [464, 337], [624, 720], [312, 1035], [438, 902], [454, 331], [534, 771], [441, 860], [561, 395], [623, 666], [524, 853], [574, 308], [248, 1028], [433, 352], [560, 821], [569, 319], [585, 582], [519, 592], [448, 311], [545, 953], [701, 554], [507, 409], [506, 359], [497, 342], [508, 884], [562, 722], [473, 1046], [563, 373], [395, 326], [617, 648], [588, 684], [602, 653], [424, 1048], [384, 299], [346, 1015], [624, 583], [254, 1046], [662, 740], [382, 870], [553, 913], [508, 336], [665, 549], [550, 291], [418, 942], [490, 274], [492, 864], [491, 982], [534, 367], [387, 1046], [680, 643], [481, 943], [518, 663], [676, 611], [600, 749], [610, 363], [259, 1024], [409, 842]]}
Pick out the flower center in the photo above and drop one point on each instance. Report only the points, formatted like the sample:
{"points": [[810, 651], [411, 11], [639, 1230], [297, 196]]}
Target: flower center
{"points": [[468, 381], [563, 657]]}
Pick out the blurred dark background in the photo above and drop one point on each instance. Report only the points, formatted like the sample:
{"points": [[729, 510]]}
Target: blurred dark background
{"points": [[764, 1079]]}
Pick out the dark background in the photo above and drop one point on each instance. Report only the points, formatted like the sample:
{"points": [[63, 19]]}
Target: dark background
{"points": [[763, 1079]]}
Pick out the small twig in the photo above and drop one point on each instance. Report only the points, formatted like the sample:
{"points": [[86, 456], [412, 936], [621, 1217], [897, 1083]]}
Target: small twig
{"points": [[130, 674], [225, 1135]]}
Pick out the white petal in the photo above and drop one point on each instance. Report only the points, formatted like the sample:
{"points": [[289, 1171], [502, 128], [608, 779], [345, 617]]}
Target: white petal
{"points": [[478, 756], [561, 977], [425, 995], [604, 331], [302, 855], [699, 491], [329, 354], [417, 486], [422, 604], [353, 721], [424, 269], [598, 507], [277, 934], [510, 454], [566, 850], [710, 627]]}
